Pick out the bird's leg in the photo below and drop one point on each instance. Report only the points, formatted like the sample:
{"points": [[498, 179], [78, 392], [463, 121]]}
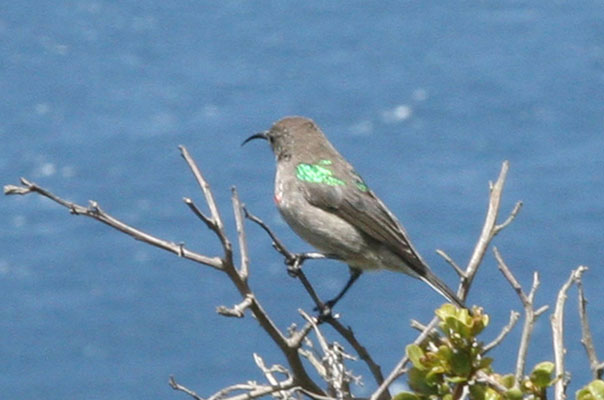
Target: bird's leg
{"points": [[328, 306]]}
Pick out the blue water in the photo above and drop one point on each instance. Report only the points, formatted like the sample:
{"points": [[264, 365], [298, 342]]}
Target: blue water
{"points": [[425, 98]]}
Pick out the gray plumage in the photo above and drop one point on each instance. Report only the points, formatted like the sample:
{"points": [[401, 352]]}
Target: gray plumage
{"points": [[328, 204]]}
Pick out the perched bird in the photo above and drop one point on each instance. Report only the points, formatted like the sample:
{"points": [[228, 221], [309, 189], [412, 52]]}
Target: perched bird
{"points": [[328, 204]]}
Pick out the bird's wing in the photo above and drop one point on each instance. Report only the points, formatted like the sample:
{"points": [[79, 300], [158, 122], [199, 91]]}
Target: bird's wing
{"points": [[360, 207]]}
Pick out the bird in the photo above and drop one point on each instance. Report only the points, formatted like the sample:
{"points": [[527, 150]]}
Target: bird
{"points": [[327, 203]]}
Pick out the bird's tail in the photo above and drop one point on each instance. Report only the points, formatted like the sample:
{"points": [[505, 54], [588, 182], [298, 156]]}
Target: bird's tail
{"points": [[440, 287]]}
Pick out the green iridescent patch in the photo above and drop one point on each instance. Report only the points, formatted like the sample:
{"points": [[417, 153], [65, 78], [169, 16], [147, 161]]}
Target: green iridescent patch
{"points": [[362, 187], [317, 174], [360, 183]]}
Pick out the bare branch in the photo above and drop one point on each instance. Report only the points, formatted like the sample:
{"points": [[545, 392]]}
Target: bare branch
{"points": [[348, 335], [557, 320], [95, 212], [449, 260], [238, 311], [206, 220], [488, 231], [510, 218], [238, 211], [205, 187], [297, 336], [512, 280], [216, 219], [176, 386], [270, 377], [506, 329], [290, 257], [415, 324], [586, 339], [20, 190], [491, 382], [530, 315], [331, 364], [300, 376]]}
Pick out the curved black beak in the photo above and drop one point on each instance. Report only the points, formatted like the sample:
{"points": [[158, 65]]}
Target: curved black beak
{"points": [[259, 135]]}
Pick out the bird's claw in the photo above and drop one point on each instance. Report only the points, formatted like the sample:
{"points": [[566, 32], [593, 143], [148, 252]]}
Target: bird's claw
{"points": [[293, 270]]}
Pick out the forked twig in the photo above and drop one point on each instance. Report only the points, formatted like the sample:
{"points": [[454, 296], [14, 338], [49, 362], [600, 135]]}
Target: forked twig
{"points": [[506, 329], [530, 314]]}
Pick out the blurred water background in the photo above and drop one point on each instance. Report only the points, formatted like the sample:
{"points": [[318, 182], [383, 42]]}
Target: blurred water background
{"points": [[425, 98]]}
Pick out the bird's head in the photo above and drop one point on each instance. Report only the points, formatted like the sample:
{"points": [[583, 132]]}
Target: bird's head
{"points": [[291, 135]]}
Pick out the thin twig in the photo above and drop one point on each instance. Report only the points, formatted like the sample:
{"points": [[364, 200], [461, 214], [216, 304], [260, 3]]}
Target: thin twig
{"points": [[451, 262], [348, 334], [270, 377], [216, 219], [492, 382], [506, 329], [278, 244], [415, 324], [205, 187], [509, 219], [488, 231], [176, 386], [238, 311], [241, 237], [206, 220], [331, 365], [530, 314], [586, 339], [557, 320]]}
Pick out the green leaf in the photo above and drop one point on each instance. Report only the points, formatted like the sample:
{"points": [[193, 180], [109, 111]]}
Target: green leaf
{"points": [[416, 355], [513, 394], [461, 363], [593, 391], [485, 362], [542, 374], [406, 396], [459, 320], [418, 382], [508, 381]]}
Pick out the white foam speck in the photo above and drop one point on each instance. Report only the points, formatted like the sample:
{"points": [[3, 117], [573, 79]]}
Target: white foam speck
{"points": [[46, 169], [397, 114]]}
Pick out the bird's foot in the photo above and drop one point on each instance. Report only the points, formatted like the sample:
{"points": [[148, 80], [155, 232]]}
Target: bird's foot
{"points": [[294, 264], [294, 270]]}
